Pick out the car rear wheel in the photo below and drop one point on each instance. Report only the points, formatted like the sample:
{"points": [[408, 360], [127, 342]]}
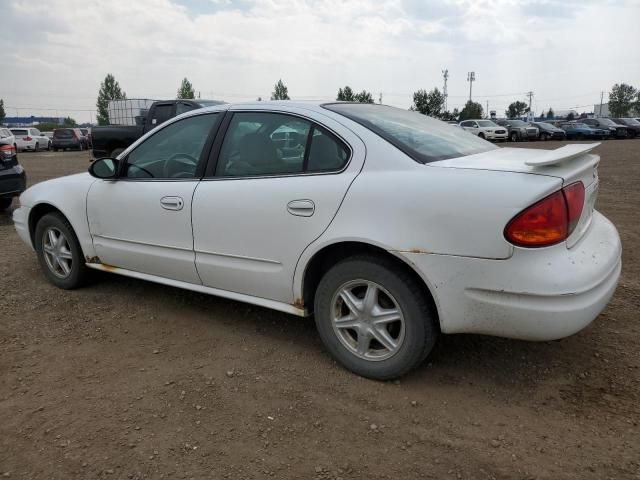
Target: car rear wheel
{"points": [[514, 137], [374, 318], [37, 147], [5, 203], [59, 252]]}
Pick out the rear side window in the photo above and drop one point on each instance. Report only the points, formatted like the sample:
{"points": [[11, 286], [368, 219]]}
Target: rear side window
{"points": [[260, 143], [422, 138]]}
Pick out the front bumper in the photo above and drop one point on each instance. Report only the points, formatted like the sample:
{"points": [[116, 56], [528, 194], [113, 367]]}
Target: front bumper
{"points": [[537, 294], [21, 224]]}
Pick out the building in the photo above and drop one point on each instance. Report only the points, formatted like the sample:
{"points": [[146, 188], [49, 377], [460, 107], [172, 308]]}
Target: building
{"points": [[29, 121], [604, 112]]}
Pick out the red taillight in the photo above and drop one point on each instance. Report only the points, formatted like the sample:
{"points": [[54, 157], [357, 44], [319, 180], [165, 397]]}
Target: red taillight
{"points": [[26, 139], [549, 221], [6, 148]]}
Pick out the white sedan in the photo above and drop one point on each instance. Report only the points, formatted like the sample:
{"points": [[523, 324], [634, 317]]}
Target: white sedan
{"points": [[389, 226], [31, 139]]}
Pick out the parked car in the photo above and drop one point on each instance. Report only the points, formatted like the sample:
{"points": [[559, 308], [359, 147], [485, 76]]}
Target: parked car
{"points": [[30, 139], [549, 132], [68, 138], [581, 131], [13, 179], [86, 134], [519, 130], [111, 140], [383, 269], [7, 136], [612, 128], [633, 125], [485, 129]]}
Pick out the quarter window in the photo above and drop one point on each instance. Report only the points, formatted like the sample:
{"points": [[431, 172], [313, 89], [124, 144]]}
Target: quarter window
{"points": [[172, 152], [259, 143]]}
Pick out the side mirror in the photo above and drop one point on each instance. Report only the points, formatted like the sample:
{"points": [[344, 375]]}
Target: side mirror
{"points": [[104, 168]]}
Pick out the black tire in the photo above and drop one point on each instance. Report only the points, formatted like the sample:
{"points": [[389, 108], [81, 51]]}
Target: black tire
{"points": [[48, 146], [544, 137], [481, 135], [580, 136], [37, 147], [421, 331], [513, 136], [80, 147], [5, 203], [79, 272]]}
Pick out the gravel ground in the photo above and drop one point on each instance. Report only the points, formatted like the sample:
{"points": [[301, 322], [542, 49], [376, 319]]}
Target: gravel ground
{"points": [[127, 379]]}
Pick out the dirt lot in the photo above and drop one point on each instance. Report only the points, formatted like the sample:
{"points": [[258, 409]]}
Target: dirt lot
{"points": [[127, 379]]}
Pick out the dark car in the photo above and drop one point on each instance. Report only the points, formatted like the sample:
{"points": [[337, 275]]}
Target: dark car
{"points": [[633, 125], [615, 130], [519, 130], [67, 138], [13, 180], [580, 131], [549, 132], [111, 140]]}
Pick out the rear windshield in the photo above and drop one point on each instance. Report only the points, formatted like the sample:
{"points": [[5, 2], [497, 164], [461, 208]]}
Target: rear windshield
{"points": [[63, 133], [20, 132], [423, 138]]}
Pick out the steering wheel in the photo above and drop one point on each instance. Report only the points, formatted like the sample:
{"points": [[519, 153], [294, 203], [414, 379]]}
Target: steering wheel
{"points": [[179, 158]]}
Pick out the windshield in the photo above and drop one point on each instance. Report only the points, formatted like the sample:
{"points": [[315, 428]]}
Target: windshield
{"points": [[517, 123], [544, 125], [606, 121], [630, 121], [423, 138], [579, 125], [487, 123]]}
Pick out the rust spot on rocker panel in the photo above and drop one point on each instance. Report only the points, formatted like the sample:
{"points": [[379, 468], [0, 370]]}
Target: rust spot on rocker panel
{"points": [[417, 250], [92, 259], [298, 303], [102, 266]]}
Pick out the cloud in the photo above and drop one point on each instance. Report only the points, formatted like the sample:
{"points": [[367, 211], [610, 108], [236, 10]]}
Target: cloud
{"points": [[237, 50]]}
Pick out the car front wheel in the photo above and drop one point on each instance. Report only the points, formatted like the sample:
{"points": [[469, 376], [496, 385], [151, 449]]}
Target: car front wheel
{"points": [[514, 137], [374, 318], [59, 252]]}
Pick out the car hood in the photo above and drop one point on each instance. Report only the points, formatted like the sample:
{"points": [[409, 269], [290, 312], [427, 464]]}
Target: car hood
{"points": [[39, 193]]}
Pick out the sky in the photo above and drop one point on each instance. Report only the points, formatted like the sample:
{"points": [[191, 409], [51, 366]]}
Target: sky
{"points": [[54, 54]]}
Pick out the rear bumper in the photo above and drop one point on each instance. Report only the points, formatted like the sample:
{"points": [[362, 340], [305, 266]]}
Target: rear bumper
{"points": [[12, 182], [496, 136], [537, 294]]}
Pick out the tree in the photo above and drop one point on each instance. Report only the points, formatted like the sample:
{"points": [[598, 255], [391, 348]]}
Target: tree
{"points": [[364, 97], [280, 91], [621, 99], [346, 95], [471, 110], [186, 89], [571, 116], [2, 112], [550, 114], [428, 103], [69, 122], [516, 109], [109, 90]]}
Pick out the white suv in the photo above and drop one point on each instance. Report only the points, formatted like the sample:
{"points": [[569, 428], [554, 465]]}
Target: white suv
{"points": [[485, 129], [28, 138]]}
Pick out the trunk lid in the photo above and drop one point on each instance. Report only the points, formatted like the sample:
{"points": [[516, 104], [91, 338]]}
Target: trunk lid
{"points": [[571, 163]]}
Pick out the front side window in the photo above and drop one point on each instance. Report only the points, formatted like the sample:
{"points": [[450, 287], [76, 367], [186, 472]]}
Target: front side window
{"points": [[172, 153], [259, 143]]}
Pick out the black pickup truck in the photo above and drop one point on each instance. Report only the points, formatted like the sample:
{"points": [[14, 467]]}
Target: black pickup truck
{"points": [[111, 140]]}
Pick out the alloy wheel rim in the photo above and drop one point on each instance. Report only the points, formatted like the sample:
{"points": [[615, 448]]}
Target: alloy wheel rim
{"points": [[367, 320], [57, 252]]}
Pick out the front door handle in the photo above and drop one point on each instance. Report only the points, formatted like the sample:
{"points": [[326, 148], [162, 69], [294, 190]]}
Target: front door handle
{"points": [[172, 203], [301, 208]]}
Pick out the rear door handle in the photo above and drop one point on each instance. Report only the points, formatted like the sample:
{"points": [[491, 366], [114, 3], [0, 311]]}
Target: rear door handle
{"points": [[172, 203], [301, 208]]}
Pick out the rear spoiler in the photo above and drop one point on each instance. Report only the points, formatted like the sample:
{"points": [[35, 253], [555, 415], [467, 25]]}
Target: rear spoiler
{"points": [[562, 154]]}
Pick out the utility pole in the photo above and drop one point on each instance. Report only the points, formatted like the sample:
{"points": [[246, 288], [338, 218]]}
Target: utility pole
{"points": [[601, 98], [380, 98], [471, 77], [445, 75], [530, 95]]}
